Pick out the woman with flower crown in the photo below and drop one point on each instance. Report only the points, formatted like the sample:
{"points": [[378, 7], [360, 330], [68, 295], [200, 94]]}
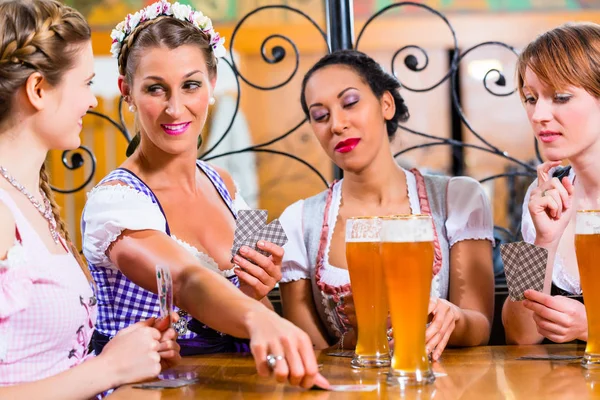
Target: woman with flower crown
{"points": [[163, 206], [47, 307]]}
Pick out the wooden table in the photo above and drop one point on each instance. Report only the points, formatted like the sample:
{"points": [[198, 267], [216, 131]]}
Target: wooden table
{"points": [[476, 373]]}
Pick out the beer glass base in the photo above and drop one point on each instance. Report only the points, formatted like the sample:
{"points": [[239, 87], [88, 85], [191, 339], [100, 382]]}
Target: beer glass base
{"points": [[379, 361], [416, 378], [591, 361]]}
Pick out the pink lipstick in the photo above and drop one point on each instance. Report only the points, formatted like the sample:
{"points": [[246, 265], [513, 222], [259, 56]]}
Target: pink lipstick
{"points": [[175, 129], [549, 136]]}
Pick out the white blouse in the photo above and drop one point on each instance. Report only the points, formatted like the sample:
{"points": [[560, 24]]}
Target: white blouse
{"points": [[560, 276], [111, 209], [469, 217]]}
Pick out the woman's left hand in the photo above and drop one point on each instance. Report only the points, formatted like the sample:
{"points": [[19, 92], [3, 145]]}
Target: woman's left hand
{"points": [[437, 335], [258, 274]]}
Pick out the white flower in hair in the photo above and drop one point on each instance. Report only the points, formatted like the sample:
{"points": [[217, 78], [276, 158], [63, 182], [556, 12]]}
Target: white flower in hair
{"points": [[117, 35], [206, 25], [153, 11], [181, 11], [219, 48], [134, 21], [115, 49], [201, 20]]}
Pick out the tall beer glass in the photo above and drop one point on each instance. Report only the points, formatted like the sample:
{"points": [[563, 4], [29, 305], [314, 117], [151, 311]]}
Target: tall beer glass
{"points": [[368, 290], [407, 254], [587, 249]]}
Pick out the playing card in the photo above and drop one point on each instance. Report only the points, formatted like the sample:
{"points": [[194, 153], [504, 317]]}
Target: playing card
{"points": [[247, 223], [272, 232], [559, 357], [341, 353], [525, 268], [164, 284], [166, 384]]}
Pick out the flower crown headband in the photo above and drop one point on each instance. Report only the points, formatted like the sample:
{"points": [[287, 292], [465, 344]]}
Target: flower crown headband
{"points": [[179, 11]]}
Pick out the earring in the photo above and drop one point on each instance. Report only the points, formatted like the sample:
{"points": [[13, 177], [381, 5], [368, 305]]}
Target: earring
{"points": [[132, 108], [211, 101]]}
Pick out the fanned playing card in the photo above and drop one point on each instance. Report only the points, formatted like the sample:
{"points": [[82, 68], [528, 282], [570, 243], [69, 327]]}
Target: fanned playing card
{"points": [[251, 227], [247, 223], [164, 283], [525, 268]]}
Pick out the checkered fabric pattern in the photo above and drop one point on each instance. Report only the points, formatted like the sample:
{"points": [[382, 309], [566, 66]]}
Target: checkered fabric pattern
{"points": [[47, 309], [273, 233], [120, 301], [248, 222], [525, 268]]}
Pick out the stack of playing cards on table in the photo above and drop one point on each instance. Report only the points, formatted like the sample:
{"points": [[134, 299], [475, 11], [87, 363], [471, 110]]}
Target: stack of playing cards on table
{"points": [[251, 227], [525, 268]]}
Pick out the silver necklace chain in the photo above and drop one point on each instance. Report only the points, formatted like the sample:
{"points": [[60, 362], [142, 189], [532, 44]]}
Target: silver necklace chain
{"points": [[45, 209]]}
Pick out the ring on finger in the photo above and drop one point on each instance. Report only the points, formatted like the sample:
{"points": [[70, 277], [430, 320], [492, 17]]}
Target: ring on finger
{"points": [[272, 361]]}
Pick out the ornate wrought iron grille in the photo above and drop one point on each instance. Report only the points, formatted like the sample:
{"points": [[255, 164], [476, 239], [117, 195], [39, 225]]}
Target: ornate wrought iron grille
{"points": [[340, 35]]}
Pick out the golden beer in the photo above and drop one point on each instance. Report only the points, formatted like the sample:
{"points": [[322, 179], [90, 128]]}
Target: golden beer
{"points": [[587, 249], [368, 290], [407, 255]]}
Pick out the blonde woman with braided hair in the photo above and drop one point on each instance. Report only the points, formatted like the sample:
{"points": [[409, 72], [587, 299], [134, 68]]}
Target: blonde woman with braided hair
{"points": [[47, 307], [163, 206]]}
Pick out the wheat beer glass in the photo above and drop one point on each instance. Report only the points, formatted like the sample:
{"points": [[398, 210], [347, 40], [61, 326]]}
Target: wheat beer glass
{"points": [[587, 249], [407, 256], [368, 289]]}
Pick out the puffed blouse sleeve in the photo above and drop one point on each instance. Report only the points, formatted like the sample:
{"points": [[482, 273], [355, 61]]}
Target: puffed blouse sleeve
{"points": [[295, 260], [111, 209], [469, 212]]}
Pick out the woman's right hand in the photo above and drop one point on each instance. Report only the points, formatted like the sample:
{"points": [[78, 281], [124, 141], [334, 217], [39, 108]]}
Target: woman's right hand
{"points": [[550, 205], [132, 355], [273, 335]]}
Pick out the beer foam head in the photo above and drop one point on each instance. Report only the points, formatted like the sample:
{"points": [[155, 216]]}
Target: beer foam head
{"points": [[406, 229], [363, 229], [587, 223]]}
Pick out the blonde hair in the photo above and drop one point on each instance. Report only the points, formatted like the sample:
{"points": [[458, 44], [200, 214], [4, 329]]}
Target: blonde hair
{"points": [[568, 55], [39, 36]]}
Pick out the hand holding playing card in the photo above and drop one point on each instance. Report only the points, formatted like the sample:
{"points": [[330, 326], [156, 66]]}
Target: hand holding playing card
{"points": [[168, 348], [257, 251], [525, 268], [259, 274], [557, 318]]}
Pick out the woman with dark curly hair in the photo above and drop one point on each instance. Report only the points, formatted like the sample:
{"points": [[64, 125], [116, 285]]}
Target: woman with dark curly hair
{"points": [[354, 108]]}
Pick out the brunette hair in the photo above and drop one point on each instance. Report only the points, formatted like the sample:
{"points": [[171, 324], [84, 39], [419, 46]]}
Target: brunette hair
{"points": [[371, 72]]}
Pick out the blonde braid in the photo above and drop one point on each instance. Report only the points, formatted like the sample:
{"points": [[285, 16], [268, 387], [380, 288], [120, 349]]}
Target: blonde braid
{"points": [[62, 229]]}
